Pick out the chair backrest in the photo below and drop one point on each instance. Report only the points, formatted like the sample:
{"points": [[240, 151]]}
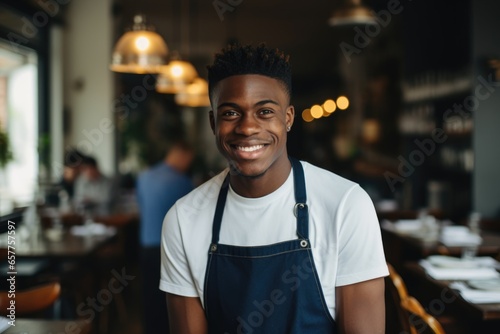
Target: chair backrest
{"points": [[420, 320], [397, 318], [31, 300], [412, 317], [398, 282]]}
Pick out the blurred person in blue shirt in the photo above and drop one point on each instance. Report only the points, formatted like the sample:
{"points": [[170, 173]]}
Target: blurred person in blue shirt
{"points": [[158, 188]]}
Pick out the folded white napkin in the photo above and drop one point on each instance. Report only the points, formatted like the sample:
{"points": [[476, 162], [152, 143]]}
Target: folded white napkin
{"points": [[458, 273], [408, 225], [403, 226], [93, 229], [457, 236], [476, 296]]}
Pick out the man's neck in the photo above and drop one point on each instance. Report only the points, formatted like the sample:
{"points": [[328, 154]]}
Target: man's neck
{"points": [[259, 186]]}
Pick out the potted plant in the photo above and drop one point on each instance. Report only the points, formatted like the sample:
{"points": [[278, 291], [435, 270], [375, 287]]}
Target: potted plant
{"points": [[5, 152]]}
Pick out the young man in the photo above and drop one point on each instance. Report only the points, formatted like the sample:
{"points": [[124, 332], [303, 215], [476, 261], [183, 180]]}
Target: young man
{"points": [[271, 244]]}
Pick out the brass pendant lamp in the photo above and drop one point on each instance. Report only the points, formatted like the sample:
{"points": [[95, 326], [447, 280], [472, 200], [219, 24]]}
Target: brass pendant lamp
{"points": [[194, 95], [140, 50], [351, 12], [176, 76]]}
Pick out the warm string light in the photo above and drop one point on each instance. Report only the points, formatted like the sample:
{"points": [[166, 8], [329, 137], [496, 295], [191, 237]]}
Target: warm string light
{"points": [[326, 109], [342, 102]]}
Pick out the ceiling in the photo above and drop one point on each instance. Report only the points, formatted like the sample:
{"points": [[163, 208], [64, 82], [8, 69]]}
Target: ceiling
{"points": [[280, 23], [197, 30]]}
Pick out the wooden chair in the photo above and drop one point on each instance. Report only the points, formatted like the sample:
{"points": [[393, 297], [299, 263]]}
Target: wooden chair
{"points": [[412, 317], [31, 300], [397, 318], [420, 318]]}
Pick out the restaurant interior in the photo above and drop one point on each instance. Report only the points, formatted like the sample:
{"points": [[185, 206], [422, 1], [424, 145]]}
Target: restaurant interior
{"points": [[399, 96]]}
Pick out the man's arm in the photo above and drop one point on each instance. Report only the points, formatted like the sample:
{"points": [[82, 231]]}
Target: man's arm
{"points": [[361, 307], [186, 315]]}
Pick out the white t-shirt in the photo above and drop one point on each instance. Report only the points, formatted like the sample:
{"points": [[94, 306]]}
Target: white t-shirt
{"points": [[343, 229]]}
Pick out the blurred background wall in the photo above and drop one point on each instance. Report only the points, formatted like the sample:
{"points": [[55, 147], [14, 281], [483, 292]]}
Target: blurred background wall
{"points": [[402, 136]]}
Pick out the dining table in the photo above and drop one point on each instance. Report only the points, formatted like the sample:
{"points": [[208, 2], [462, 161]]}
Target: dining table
{"points": [[409, 244], [83, 253], [43, 326], [467, 311], [62, 245], [66, 235]]}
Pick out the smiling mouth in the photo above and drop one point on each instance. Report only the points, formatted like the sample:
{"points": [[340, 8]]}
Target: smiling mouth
{"points": [[249, 148]]}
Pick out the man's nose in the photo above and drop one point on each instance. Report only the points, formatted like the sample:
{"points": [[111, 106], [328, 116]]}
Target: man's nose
{"points": [[248, 125]]}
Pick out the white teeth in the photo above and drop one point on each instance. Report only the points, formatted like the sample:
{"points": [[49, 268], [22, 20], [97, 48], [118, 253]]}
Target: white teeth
{"points": [[250, 148]]}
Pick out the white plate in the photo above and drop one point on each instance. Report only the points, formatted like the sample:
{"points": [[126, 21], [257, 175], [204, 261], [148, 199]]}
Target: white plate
{"points": [[451, 262], [485, 284], [408, 226]]}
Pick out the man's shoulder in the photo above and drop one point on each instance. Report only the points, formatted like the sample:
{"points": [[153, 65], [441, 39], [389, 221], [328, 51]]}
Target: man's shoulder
{"points": [[319, 175]]}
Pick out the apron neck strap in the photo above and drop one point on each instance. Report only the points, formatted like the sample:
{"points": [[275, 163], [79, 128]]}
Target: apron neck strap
{"points": [[300, 209], [219, 209]]}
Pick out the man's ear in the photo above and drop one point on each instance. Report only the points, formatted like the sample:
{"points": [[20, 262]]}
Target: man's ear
{"points": [[212, 120], [290, 116]]}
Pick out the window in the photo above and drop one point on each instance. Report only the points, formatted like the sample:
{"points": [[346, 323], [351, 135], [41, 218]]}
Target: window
{"points": [[19, 119]]}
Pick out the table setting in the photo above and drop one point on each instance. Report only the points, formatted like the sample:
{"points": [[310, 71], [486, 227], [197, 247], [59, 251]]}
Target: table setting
{"points": [[476, 279]]}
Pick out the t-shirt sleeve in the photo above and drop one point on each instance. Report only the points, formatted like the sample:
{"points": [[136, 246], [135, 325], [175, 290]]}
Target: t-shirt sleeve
{"points": [[361, 254], [176, 275]]}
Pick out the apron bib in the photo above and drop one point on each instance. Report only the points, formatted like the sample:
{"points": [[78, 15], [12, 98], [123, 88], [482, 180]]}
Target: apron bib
{"points": [[272, 289]]}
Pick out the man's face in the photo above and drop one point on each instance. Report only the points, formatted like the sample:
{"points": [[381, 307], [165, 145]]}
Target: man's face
{"points": [[250, 117], [70, 173], [90, 172]]}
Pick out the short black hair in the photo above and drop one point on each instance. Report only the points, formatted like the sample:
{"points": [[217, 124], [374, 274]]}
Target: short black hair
{"points": [[237, 59], [73, 158], [90, 161]]}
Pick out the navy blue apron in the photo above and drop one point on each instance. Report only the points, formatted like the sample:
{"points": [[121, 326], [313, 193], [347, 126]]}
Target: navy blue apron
{"points": [[272, 289]]}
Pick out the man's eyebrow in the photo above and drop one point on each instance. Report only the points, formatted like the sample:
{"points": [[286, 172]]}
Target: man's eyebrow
{"points": [[228, 104], [235, 105], [260, 103]]}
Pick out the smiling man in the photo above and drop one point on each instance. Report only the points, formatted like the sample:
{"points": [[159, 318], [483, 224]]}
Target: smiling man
{"points": [[271, 244]]}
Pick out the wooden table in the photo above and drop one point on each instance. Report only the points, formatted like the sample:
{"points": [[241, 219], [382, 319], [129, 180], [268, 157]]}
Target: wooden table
{"points": [[40, 254], [441, 301], [400, 247], [83, 264], [69, 246], [35, 326]]}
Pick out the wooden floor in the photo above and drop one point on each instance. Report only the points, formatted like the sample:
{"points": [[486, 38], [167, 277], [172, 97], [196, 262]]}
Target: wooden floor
{"points": [[131, 321], [132, 324], [120, 314]]}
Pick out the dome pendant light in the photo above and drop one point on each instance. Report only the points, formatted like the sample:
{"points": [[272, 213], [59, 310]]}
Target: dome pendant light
{"points": [[195, 94], [176, 76], [140, 50], [350, 13]]}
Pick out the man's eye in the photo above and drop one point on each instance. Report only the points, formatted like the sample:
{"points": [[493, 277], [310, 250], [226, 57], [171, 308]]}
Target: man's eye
{"points": [[266, 112], [229, 113]]}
